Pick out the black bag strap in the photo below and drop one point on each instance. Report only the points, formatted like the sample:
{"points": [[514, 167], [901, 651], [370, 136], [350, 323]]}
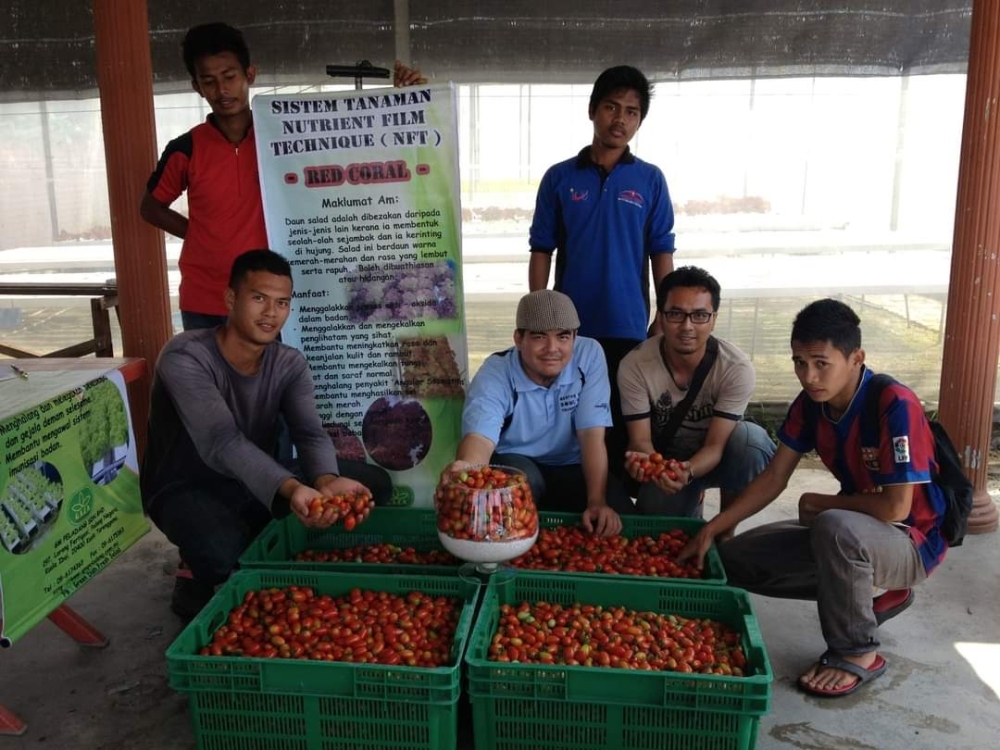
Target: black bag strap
{"points": [[697, 381], [949, 477]]}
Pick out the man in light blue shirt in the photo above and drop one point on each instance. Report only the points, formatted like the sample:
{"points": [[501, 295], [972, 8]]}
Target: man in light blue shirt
{"points": [[542, 407]]}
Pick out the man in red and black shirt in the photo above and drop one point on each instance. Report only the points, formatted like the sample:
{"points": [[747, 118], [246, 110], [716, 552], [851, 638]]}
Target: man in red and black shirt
{"points": [[881, 530], [216, 163]]}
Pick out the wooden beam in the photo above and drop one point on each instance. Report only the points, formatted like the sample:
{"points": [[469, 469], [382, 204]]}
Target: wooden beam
{"points": [[125, 80], [972, 329]]}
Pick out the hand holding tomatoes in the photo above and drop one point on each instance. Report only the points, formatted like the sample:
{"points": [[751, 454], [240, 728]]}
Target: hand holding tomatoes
{"points": [[350, 508], [647, 467], [350, 500], [301, 498], [333, 499], [668, 474]]}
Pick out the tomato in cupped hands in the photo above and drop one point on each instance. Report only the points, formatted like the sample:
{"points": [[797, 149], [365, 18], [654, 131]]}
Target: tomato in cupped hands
{"points": [[596, 636], [571, 549], [650, 468], [486, 504], [370, 627], [350, 508]]}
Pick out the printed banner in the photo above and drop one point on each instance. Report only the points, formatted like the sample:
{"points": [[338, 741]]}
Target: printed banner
{"points": [[361, 195], [69, 492]]}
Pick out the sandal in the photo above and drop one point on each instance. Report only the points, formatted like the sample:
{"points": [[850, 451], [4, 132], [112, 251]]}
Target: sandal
{"points": [[830, 659], [891, 603]]}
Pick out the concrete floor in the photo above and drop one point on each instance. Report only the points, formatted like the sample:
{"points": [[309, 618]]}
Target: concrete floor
{"points": [[942, 689]]}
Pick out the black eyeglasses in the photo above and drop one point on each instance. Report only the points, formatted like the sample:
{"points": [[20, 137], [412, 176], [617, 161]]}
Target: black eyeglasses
{"points": [[698, 317]]}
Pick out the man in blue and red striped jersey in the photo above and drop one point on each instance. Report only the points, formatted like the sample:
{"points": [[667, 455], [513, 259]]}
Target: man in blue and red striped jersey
{"points": [[881, 530]]}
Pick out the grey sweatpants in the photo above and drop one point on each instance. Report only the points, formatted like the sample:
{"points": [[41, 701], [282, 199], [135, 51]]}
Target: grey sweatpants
{"points": [[837, 561]]}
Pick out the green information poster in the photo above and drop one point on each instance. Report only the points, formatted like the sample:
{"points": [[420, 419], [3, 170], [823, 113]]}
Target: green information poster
{"points": [[361, 195], [69, 489]]}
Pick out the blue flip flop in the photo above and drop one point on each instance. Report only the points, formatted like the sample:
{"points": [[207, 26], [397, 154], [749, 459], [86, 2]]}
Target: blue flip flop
{"points": [[830, 659]]}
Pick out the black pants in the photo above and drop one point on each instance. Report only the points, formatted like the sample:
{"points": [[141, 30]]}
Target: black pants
{"points": [[212, 525], [562, 489], [616, 437]]}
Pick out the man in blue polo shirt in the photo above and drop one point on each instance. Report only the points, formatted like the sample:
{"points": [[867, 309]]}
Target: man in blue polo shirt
{"points": [[607, 216], [542, 407]]}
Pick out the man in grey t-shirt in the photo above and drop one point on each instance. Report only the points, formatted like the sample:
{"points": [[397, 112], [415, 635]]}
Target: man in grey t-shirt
{"points": [[209, 478], [712, 443]]}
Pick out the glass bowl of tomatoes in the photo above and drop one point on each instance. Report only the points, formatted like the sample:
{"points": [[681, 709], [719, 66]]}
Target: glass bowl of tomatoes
{"points": [[486, 515]]}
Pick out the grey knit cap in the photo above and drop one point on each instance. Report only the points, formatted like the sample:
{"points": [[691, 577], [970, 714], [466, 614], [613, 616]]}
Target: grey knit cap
{"points": [[547, 310]]}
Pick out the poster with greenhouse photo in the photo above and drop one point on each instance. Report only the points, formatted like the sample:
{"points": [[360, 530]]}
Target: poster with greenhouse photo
{"points": [[69, 492], [361, 195]]}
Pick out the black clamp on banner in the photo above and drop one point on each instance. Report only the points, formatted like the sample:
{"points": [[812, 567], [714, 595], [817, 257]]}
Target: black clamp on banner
{"points": [[363, 69]]}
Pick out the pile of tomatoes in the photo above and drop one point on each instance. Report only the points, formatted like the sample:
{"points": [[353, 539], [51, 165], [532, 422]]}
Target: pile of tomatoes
{"points": [[652, 467], [350, 508], [486, 505], [595, 636], [572, 549], [369, 627], [379, 553]]}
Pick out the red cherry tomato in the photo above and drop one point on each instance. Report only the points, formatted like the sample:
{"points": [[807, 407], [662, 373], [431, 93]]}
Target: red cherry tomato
{"points": [[546, 633], [485, 504], [570, 548], [364, 626], [346, 505]]}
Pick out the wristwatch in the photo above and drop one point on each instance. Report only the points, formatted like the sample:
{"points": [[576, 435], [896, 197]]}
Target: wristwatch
{"points": [[690, 474]]}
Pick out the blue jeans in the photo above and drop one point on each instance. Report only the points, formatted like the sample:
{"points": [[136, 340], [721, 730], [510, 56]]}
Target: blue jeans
{"points": [[193, 321], [562, 488], [747, 452]]}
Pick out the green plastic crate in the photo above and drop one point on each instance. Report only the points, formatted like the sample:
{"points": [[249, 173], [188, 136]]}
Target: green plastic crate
{"points": [[527, 706], [280, 541], [242, 703], [713, 572]]}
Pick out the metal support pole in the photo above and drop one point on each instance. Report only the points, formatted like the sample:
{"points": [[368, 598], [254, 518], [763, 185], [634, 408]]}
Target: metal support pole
{"points": [[401, 26]]}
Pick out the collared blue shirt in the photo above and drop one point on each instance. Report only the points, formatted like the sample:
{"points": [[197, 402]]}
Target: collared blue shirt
{"points": [[541, 422], [603, 226]]}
